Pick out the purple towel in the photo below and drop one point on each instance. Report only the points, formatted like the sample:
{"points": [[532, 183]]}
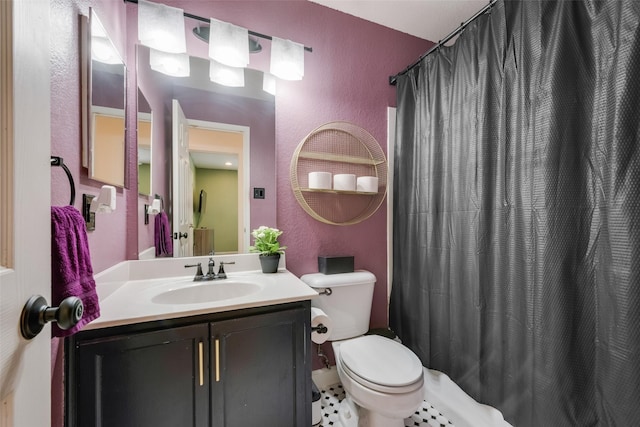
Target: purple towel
{"points": [[162, 236], [71, 270]]}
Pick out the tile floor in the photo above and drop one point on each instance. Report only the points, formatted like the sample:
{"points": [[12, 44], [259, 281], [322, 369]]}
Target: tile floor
{"points": [[425, 416]]}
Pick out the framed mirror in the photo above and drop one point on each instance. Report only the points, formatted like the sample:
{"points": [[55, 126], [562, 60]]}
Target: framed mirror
{"points": [[104, 76], [144, 145]]}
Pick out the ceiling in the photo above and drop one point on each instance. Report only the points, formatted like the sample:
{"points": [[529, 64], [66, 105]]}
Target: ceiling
{"points": [[204, 160], [428, 19]]}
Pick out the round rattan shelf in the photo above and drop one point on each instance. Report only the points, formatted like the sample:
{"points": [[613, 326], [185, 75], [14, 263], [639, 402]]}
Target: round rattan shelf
{"points": [[338, 148]]}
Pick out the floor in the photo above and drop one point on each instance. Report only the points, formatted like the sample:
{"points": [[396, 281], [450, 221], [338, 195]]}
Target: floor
{"points": [[330, 397]]}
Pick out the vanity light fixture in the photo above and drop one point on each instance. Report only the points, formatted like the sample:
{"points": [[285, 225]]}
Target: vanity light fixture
{"points": [[155, 20], [228, 44], [161, 27], [287, 59], [172, 64], [103, 51], [202, 33], [269, 83], [225, 75]]}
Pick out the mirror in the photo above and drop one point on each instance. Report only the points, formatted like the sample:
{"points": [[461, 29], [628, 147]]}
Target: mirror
{"points": [[228, 125], [144, 145], [104, 136]]}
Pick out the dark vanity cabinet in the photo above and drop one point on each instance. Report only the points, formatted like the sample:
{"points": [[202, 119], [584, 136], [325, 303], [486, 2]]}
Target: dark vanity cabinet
{"points": [[143, 379], [236, 369]]}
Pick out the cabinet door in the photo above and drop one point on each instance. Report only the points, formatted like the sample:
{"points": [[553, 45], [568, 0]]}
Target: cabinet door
{"points": [[152, 379], [260, 372]]}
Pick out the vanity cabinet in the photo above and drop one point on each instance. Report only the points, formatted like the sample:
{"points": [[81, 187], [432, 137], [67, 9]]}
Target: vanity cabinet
{"points": [[142, 379], [255, 378], [242, 368]]}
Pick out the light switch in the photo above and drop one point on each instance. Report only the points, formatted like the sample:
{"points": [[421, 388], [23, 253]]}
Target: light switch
{"points": [[258, 193]]}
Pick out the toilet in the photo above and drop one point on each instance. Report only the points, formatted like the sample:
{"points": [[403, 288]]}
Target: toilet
{"points": [[383, 379]]}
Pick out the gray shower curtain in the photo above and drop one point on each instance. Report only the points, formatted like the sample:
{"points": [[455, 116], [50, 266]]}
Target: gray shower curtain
{"points": [[517, 212]]}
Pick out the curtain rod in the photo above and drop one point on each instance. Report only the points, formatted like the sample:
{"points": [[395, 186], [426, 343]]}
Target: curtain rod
{"points": [[208, 21], [393, 79]]}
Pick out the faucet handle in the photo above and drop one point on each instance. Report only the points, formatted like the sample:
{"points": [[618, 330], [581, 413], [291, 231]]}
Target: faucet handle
{"points": [[210, 266], [221, 273], [199, 274]]}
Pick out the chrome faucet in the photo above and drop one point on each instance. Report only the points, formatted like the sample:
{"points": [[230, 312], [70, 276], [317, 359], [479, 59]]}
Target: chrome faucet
{"points": [[221, 272], [199, 276], [211, 274]]}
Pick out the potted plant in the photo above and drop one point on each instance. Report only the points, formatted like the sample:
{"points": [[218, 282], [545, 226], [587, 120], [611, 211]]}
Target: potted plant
{"points": [[267, 245]]}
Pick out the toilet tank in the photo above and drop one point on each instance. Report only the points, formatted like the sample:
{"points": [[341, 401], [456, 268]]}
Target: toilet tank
{"points": [[349, 305]]}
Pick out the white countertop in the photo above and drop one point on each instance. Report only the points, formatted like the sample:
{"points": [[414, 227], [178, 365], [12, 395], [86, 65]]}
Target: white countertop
{"points": [[127, 290]]}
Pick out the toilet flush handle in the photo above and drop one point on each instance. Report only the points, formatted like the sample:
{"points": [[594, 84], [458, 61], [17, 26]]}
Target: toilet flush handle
{"points": [[325, 291]]}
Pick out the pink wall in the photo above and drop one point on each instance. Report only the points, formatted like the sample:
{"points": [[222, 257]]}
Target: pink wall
{"points": [[346, 78]]}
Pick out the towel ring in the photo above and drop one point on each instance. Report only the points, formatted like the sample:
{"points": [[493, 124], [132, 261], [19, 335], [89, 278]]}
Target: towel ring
{"points": [[58, 161]]}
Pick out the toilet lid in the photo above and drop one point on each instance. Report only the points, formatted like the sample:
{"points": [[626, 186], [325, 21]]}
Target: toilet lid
{"points": [[381, 361]]}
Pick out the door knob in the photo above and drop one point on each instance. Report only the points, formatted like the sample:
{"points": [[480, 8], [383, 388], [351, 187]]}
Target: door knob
{"points": [[180, 235], [36, 313]]}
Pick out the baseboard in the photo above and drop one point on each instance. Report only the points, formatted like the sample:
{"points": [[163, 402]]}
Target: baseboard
{"points": [[325, 377]]}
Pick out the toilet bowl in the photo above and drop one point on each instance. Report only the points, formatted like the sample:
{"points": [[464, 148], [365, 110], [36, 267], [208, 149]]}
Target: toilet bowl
{"points": [[382, 379]]}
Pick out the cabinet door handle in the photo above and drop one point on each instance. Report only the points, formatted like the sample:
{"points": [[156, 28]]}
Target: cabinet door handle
{"points": [[201, 362], [217, 360]]}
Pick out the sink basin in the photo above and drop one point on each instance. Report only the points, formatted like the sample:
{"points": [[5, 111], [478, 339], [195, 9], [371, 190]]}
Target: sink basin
{"points": [[207, 292]]}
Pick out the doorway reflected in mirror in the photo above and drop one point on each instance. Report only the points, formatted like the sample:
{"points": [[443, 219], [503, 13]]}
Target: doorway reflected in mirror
{"points": [[144, 145]]}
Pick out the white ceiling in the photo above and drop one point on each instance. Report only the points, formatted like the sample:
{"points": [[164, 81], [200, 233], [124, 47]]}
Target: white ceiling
{"points": [[203, 160], [428, 19]]}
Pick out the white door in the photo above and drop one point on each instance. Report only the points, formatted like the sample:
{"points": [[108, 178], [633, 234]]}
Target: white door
{"points": [[25, 218], [182, 186]]}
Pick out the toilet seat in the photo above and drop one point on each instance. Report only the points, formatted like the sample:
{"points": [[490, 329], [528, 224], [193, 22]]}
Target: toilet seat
{"points": [[381, 364]]}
